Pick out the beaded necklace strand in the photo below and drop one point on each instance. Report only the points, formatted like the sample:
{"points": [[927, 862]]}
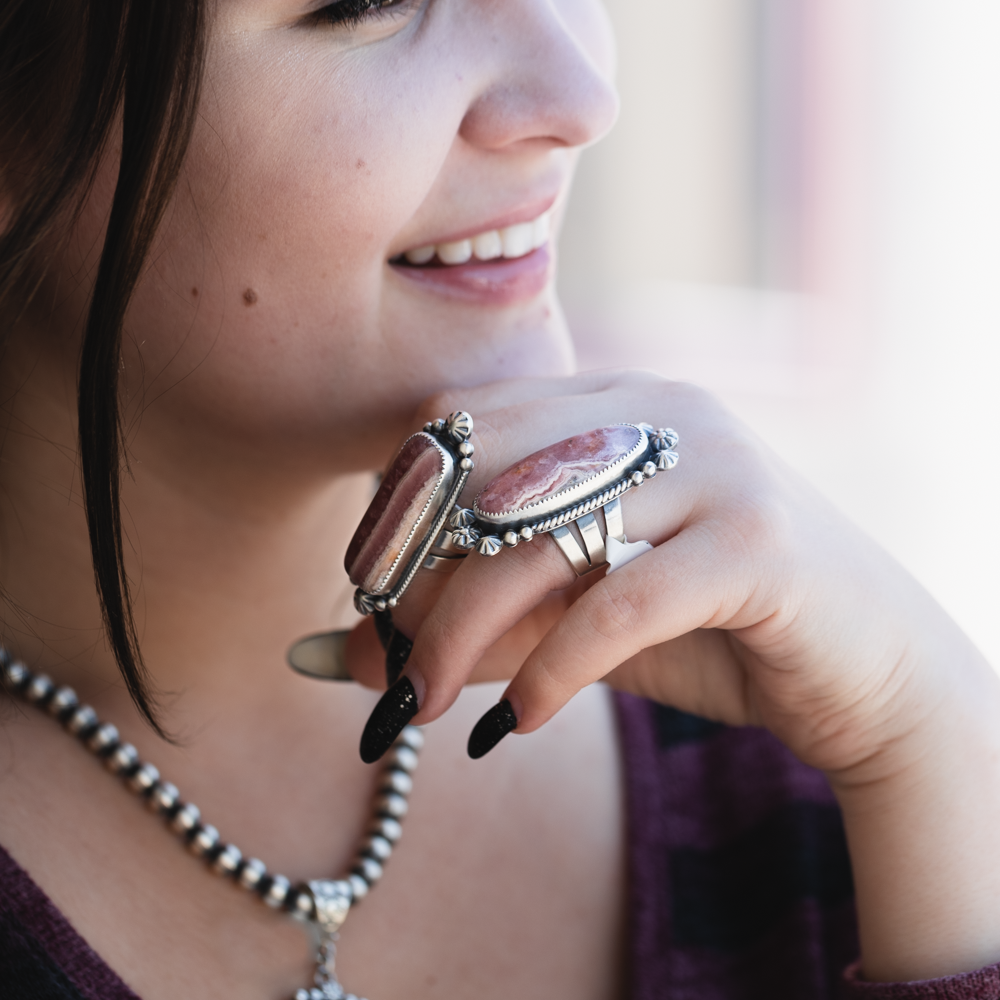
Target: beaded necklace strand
{"points": [[322, 904]]}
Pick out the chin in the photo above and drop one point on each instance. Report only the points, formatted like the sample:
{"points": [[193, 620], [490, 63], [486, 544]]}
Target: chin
{"points": [[546, 355], [537, 344]]}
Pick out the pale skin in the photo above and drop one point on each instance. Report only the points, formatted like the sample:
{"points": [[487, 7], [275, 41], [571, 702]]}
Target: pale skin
{"points": [[321, 154]]}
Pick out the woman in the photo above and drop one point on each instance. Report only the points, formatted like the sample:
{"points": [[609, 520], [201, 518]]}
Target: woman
{"points": [[300, 305]]}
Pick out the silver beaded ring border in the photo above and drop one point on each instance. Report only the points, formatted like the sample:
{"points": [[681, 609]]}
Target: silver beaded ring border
{"points": [[467, 532], [470, 532]]}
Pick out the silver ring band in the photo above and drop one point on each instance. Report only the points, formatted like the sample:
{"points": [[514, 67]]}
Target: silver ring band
{"points": [[443, 564], [570, 548], [612, 549]]}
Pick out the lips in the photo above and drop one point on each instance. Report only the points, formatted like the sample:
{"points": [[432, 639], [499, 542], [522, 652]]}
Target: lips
{"points": [[497, 282], [498, 266]]}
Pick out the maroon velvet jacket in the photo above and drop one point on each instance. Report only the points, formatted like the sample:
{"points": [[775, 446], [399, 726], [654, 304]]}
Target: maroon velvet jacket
{"points": [[740, 883]]}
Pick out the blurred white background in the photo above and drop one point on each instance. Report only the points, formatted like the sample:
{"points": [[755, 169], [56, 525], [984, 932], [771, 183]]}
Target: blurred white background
{"points": [[800, 210]]}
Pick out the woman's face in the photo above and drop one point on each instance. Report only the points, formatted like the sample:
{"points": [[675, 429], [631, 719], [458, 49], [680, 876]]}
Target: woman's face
{"points": [[275, 311]]}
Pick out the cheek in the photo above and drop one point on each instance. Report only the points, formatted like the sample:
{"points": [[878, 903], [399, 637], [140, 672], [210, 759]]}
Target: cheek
{"points": [[265, 316], [310, 182], [268, 274]]}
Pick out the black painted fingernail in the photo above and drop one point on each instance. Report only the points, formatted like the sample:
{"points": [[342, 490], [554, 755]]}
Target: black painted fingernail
{"points": [[396, 656], [491, 729], [384, 627], [393, 711]]}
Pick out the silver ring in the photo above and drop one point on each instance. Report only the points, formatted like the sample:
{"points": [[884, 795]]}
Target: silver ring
{"points": [[612, 549], [560, 490], [415, 522], [443, 564], [403, 530]]}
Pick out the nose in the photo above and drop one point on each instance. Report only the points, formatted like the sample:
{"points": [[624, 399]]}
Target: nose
{"points": [[549, 66]]}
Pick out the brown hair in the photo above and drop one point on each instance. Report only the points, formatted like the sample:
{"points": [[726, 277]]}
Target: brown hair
{"points": [[74, 74]]}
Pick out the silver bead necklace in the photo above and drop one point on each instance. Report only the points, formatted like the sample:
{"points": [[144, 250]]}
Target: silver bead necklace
{"points": [[322, 904]]}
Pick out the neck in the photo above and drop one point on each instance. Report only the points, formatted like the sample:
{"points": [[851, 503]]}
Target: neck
{"points": [[232, 556]]}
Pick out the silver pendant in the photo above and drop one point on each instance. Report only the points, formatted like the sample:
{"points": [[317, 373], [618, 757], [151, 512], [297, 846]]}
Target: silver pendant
{"points": [[331, 904], [327, 985], [329, 991]]}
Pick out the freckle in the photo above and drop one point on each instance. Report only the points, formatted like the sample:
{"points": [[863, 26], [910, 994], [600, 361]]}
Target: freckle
{"points": [[262, 237], [249, 297], [194, 292]]}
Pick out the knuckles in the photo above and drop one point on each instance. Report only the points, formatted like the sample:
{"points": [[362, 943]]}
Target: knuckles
{"points": [[728, 480], [617, 614], [440, 404]]}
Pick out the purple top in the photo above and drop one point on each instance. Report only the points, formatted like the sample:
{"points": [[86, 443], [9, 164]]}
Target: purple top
{"points": [[740, 883], [41, 956], [740, 880]]}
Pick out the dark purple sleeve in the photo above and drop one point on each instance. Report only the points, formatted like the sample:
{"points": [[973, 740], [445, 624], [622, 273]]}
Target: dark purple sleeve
{"points": [[739, 878], [740, 883], [41, 955], [981, 985]]}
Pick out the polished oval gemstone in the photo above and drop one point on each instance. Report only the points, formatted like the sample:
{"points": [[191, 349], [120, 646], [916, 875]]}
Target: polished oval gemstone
{"points": [[557, 468], [411, 493]]}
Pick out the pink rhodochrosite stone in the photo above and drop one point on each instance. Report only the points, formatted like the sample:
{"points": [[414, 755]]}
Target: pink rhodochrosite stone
{"points": [[407, 487], [556, 468]]}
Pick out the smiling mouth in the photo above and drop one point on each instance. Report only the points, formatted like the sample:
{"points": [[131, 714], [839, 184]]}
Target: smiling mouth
{"points": [[508, 243]]}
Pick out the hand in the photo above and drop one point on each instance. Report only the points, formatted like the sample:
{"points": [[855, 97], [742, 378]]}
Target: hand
{"points": [[759, 605], [762, 605]]}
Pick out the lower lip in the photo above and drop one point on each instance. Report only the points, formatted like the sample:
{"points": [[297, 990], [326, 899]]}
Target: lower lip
{"points": [[494, 283]]}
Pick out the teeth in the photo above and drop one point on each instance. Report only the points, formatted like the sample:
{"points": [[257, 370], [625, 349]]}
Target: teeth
{"points": [[517, 240], [421, 255], [510, 242], [455, 253], [487, 246], [540, 232]]}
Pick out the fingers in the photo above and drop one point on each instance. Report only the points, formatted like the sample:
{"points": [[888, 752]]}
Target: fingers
{"points": [[487, 597], [511, 429], [517, 392], [429, 683], [515, 418], [484, 599], [508, 598], [508, 429], [365, 655], [669, 592]]}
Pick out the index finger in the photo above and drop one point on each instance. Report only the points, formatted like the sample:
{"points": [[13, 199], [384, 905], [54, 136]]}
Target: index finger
{"points": [[447, 647]]}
